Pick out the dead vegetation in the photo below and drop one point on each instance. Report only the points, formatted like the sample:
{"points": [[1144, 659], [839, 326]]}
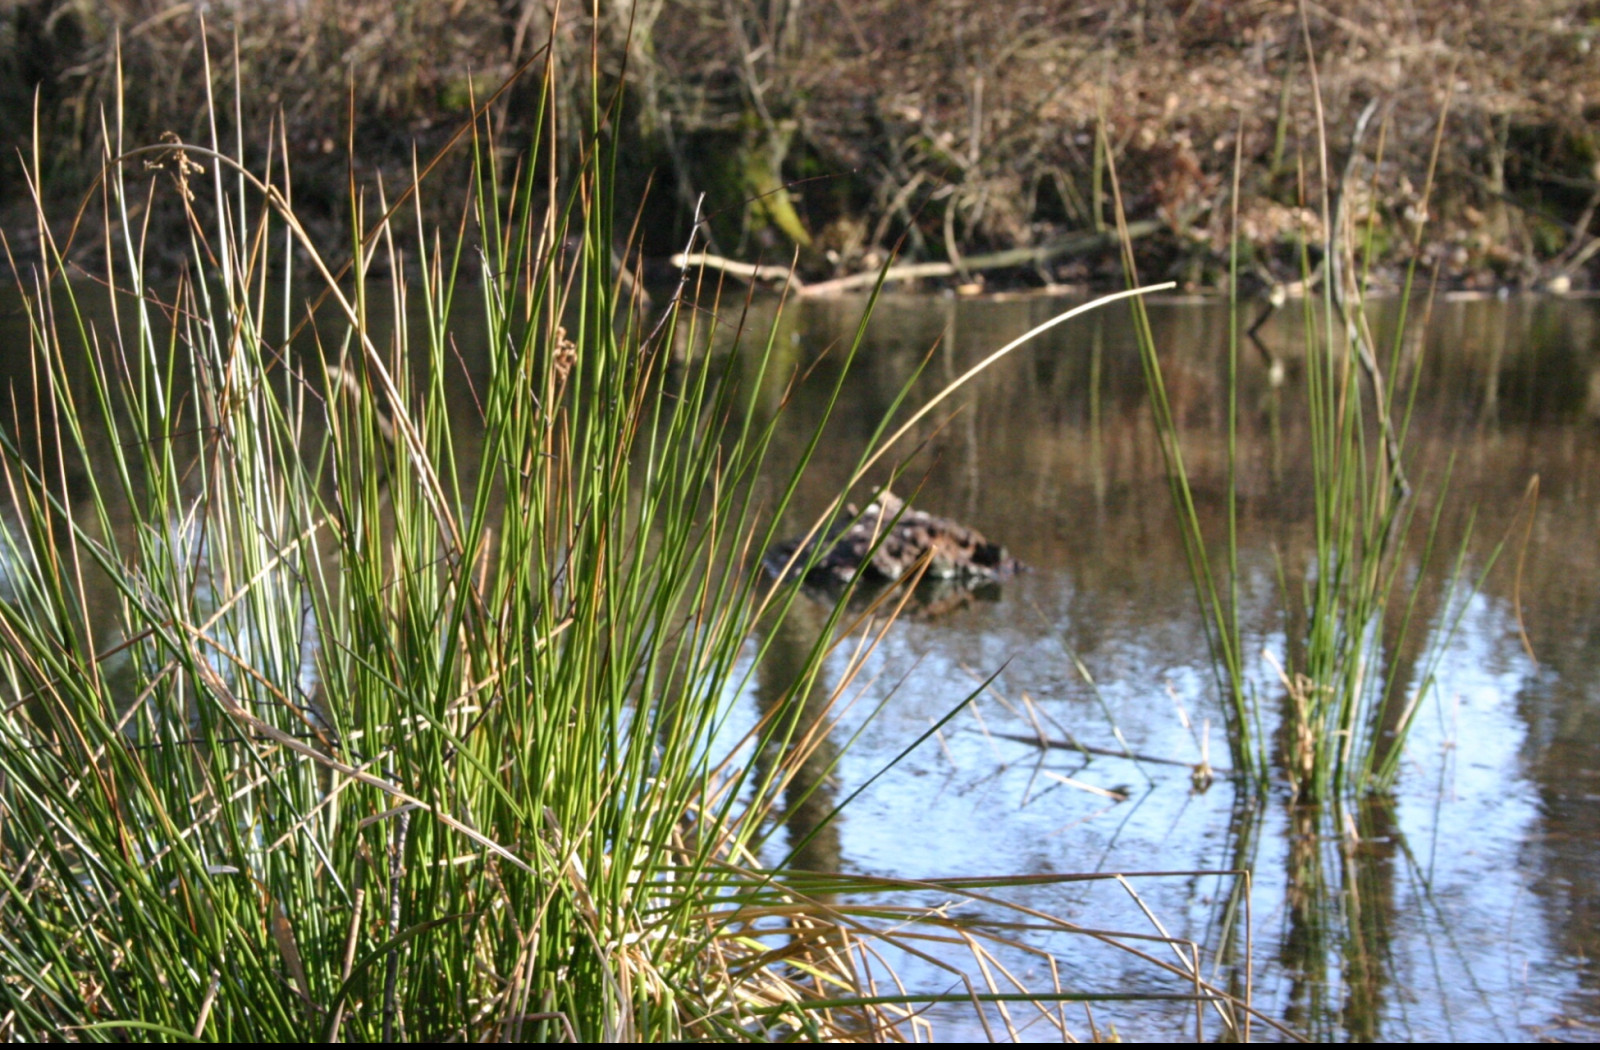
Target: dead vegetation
{"points": [[940, 129]]}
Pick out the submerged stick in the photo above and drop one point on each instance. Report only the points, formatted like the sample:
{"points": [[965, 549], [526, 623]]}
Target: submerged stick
{"points": [[1052, 744]]}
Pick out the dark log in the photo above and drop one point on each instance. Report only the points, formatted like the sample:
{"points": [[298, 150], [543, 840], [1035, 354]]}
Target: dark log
{"points": [[889, 540]]}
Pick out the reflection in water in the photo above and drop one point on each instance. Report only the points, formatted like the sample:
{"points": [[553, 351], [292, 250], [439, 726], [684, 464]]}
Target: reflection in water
{"points": [[1468, 907], [1369, 911], [1229, 931], [1340, 914], [781, 694], [1053, 455], [1305, 949], [1560, 704]]}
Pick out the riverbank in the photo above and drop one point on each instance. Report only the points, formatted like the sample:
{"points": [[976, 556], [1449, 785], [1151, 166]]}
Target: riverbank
{"points": [[933, 133]]}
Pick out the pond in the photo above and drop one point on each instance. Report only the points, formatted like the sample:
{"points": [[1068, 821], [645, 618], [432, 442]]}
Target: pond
{"points": [[1465, 906]]}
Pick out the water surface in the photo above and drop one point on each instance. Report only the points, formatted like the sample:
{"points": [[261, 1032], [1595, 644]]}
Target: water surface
{"points": [[1467, 906]]}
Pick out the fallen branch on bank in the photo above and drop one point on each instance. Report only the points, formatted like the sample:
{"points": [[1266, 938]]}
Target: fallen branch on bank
{"points": [[1064, 247]]}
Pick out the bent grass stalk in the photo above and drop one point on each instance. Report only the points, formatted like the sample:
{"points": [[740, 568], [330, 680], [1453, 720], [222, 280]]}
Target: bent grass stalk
{"points": [[314, 734]]}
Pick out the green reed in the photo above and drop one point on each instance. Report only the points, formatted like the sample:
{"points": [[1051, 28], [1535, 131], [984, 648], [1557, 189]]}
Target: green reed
{"points": [[1216, 585], [330, 721], [1346, 711], [326, 717]]}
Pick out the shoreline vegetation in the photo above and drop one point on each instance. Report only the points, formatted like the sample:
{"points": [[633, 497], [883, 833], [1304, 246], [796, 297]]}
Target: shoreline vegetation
{"points": [[967, 141], [326, 717]]}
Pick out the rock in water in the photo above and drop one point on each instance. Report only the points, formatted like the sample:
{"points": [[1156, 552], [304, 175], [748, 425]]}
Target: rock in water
{"points": [[955, 552]]}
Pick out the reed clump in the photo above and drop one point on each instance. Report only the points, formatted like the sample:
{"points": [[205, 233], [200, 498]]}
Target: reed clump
{"points": [[1350, 605], [327, 716]]}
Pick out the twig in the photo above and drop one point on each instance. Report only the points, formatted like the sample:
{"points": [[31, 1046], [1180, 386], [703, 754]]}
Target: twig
{"points": [[1076, 244], [1341, 263], [337, 1020], [391, 1008], [748, 271], [1038, 740], [207, 1003]]}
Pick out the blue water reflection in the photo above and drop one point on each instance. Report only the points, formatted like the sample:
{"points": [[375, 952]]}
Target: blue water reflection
{"points": [[1463, 910]]}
